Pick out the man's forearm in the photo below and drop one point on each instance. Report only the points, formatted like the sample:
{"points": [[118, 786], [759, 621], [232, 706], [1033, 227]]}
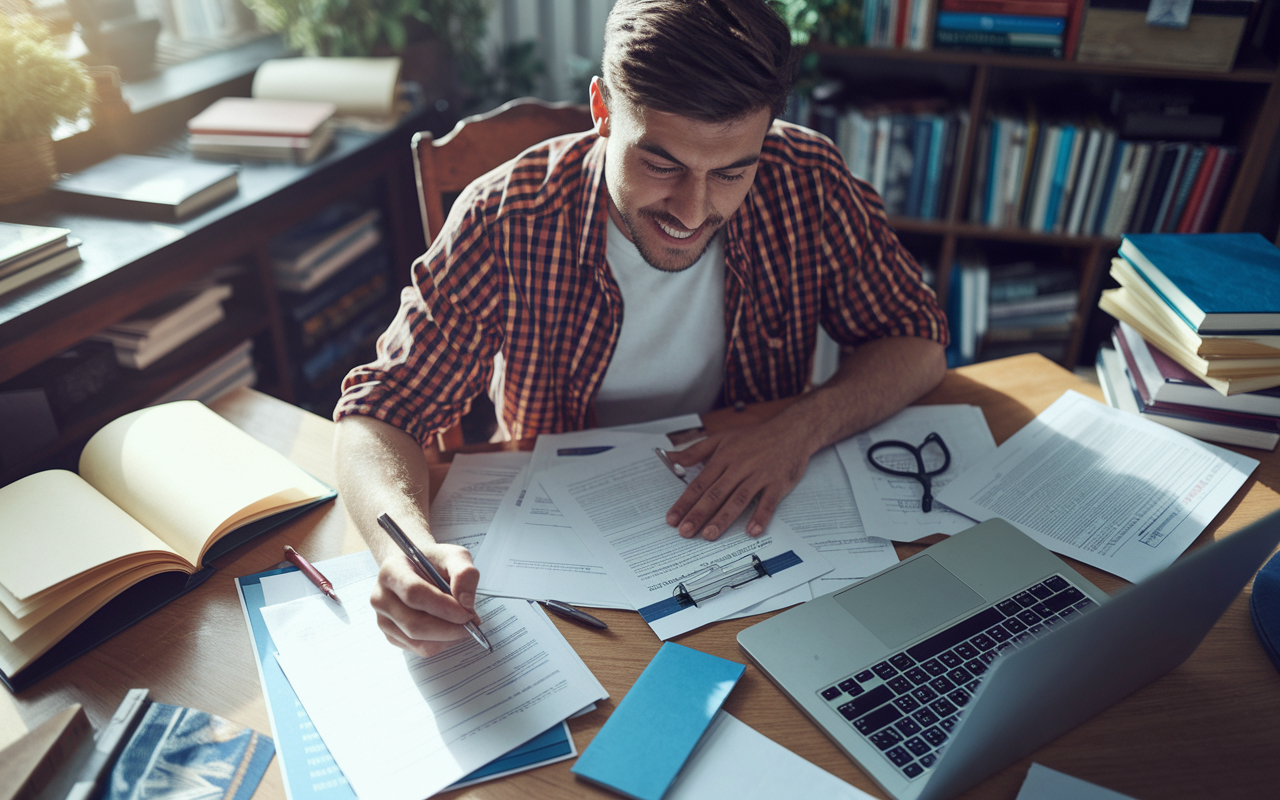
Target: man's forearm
{"points": [[874, 381], [382, 469]]}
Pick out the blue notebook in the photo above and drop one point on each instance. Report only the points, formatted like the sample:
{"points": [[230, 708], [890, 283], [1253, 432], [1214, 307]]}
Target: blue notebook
{"points": [[651, 733]]}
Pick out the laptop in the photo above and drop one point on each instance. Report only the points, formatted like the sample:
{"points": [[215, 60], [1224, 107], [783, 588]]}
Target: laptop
{"points": [[941, 670]]}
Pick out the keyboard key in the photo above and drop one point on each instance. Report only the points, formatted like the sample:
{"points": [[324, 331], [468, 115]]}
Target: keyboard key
{"points": [[926, 717], [1083, 604], [950, 660], [1009, 607], [983, 642], [988, 656], [900, 685], [912, 770], [1057, 583], [1043, 610], [934, 667], [869, 700], [832, 693], [884, 670], [943, 707], [864, 676], [976, 666], [934, 736], [1023, 638], [966, 650], [1037, 629], [949, 723], [972, 686], [917, 676], [1014, 625], [960, 697], [959, 676], [917, 745], [924, 694], [907, 703], [1028, 616], [848, 685], [878, 719], [941, 685], [1064, 599], [1025, 599], [999, 634], [1067, 614], [1040, 591], [902, 661], [899, 756], [945, 640], [885, 739], [907, 727], [927, 761]]}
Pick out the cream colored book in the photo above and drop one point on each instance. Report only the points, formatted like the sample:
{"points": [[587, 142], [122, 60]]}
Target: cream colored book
{"points": [[160, 493]]}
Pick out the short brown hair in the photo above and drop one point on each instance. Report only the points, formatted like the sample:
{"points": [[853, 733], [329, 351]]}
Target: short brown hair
{"points": [[712, 60]]}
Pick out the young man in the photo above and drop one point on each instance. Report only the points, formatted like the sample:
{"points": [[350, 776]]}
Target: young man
{"points": [[678, 257]]}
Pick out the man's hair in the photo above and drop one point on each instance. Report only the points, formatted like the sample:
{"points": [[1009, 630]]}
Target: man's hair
{"points": [[711, 60]]}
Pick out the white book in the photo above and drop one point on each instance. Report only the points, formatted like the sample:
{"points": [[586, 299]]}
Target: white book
{"points": [[1044, 176], [1102, 172], [1084, 181]]}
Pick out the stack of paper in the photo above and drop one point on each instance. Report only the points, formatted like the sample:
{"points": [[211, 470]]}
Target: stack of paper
{"points": [[164, 326], [29, 252]]}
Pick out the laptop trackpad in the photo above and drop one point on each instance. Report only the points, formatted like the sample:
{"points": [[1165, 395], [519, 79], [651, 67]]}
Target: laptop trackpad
{"points": [[905, 602]]}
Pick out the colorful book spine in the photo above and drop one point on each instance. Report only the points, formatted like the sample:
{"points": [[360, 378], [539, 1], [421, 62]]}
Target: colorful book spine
{"points": [[1007, 23]]}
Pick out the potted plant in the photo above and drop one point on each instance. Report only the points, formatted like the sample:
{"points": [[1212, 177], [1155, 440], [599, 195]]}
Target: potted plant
{"points": [[41, 87]]}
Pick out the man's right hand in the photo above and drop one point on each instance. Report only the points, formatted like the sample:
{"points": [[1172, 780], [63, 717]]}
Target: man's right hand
{"points": [[417, 616]]}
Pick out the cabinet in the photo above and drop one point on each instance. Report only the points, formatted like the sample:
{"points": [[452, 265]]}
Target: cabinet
{"points": [[129, 264], [980, 84]]}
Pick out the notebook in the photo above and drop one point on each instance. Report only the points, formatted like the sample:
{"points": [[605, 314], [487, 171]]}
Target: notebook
{"points": [[865, 663]]}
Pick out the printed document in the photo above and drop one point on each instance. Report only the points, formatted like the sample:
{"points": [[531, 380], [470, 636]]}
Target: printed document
{"points": [[890, 504], [618, 502], [402, 727], [1121, 493], [471, 494]]}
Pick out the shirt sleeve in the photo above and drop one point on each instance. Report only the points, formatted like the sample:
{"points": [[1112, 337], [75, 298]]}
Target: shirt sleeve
{"points": [[437, 354]]}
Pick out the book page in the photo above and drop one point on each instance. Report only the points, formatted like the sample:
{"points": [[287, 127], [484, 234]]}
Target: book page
{"points": [[354, 85], [190, 476], [57, 527]]}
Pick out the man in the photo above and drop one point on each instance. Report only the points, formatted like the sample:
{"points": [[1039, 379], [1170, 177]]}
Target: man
{"points": [[725, 238]]}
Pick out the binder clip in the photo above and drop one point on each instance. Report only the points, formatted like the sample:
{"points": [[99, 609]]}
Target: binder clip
{"points": [[704, 585]]}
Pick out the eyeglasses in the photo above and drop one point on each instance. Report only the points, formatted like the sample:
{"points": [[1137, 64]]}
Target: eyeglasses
{"points": [[932, 458]]}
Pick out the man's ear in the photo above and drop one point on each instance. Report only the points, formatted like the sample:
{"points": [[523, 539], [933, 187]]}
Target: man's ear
{"points": [[599, 111]]}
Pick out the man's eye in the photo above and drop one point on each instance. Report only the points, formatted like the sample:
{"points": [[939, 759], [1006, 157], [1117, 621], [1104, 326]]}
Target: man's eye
{"points": [[657, 170], [725, 176]]}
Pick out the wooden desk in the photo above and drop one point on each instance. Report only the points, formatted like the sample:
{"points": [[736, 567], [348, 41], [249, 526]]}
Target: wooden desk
{"points": [[1211, 728]]}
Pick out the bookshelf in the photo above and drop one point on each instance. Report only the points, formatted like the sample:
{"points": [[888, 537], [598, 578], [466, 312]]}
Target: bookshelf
{"points": [[982, 83]]}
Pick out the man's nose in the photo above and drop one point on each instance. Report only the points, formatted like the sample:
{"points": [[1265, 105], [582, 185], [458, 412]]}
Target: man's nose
{"points": [[690, 204]]}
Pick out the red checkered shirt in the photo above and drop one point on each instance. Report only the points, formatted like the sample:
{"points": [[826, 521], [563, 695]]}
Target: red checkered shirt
{"points": [[519, 270]]}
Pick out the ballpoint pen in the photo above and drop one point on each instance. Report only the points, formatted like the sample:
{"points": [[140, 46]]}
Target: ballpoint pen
{"points": [[567, 611], [313, 574], [426, 569], [675, 468]]}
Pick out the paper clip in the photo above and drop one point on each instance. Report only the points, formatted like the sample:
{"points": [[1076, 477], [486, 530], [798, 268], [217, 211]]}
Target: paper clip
{"points": [[704, 585]]}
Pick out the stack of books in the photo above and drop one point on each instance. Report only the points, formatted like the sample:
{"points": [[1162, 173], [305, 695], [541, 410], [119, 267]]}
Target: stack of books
{"points": [[1200, 329], [318, 248], [223, 375], [164, 326], [1031, 307], [297, 131], [165, 189], [29, 252]]}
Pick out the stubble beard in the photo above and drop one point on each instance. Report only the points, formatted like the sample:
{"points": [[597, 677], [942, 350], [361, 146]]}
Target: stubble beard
{"points": [[676, 261]]}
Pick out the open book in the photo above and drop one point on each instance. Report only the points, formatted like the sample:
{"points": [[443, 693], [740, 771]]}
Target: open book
{"points": [[161, 493]]}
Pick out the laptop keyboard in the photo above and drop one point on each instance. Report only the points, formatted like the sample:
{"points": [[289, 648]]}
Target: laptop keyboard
{"points": [[907, 704]]}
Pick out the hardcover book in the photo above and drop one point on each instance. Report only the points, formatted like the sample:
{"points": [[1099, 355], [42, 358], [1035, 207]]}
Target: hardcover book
{"points": [[165, 189]]}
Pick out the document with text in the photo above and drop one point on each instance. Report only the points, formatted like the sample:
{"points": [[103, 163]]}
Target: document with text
{"points": [[471, 495], [402, 727], [890, 504], [618, 504], [1115, 491]]}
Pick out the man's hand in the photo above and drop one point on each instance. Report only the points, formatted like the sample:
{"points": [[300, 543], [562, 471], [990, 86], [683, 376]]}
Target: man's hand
{"points": [[764, 461], [417, 616]]}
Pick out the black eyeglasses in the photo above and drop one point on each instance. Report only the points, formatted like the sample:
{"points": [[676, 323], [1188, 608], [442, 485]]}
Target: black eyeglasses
{"points": [[932, 458]]}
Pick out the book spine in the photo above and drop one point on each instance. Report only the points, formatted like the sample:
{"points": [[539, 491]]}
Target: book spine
{"points": [[920, 146], [1217, 191], [1056, 186], [1104, 173], [1003, 41], [1009, 23], [1025, 8], [1182, 192], [1075, 19], [1069, 181], [977, 192], [1197, 195], [1170, 187], [1084, 181]]}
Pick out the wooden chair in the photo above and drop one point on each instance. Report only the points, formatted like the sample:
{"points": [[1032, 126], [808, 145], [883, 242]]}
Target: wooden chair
{"points": [[476, 145]]}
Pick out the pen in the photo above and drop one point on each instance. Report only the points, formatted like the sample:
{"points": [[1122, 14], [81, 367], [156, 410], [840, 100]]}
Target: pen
{"points": [[311, 572], [675, 468], [426, 569], [569, 612]]}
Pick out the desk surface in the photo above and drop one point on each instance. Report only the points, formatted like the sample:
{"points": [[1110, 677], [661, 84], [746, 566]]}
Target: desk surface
{"points": [[1210, 728]]}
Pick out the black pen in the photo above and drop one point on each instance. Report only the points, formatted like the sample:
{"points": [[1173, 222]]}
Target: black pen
{"points": [[569, 612], [427, 570]]}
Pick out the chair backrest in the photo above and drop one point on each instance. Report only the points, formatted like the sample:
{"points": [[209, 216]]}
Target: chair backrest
{"points": [[479, 143]]}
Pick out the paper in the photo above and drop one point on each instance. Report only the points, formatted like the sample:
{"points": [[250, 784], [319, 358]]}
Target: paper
{"points": [[354, 85], [471, 494], [735, 761], [530, 550], [618, 504], [1043, 783], [889, 504], [1120, 493], [402, 727]]}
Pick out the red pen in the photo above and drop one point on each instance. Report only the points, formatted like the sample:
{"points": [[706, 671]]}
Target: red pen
{"points": [[311, 572]]}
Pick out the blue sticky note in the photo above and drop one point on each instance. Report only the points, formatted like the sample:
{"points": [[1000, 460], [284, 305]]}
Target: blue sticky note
{"points": [[651, 733]]}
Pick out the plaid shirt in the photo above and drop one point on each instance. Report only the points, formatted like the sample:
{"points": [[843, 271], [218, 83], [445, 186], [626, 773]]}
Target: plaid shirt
{"points": [[519, 272]]}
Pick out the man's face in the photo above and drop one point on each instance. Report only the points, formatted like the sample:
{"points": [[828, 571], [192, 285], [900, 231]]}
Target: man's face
{"points": [[674, 181]]}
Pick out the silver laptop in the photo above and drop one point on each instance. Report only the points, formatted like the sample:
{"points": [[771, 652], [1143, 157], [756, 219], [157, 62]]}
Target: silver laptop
{"points": [[939, 671]]}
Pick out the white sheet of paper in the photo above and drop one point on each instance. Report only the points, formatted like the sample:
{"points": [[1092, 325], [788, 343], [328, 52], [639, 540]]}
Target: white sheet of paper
{"points": [[734, 761], [1043, 783], [471, 494], [618, 504], [890, 505], [531, 551], [402, 727], [1112, 490]]}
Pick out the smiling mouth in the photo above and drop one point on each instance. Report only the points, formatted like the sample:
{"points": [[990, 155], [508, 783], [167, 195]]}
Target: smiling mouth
{"points": [[673, 233]]}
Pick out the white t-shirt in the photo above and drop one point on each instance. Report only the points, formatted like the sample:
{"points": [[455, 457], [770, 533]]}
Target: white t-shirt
{"points": [[670, 354]]}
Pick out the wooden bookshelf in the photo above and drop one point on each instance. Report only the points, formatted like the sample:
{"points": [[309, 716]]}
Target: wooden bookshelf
{"points": [[975, 81]]}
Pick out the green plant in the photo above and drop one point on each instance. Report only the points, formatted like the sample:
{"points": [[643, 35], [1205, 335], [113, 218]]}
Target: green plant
{"points": [[837, 22], [41, 86], [359, 27]]}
